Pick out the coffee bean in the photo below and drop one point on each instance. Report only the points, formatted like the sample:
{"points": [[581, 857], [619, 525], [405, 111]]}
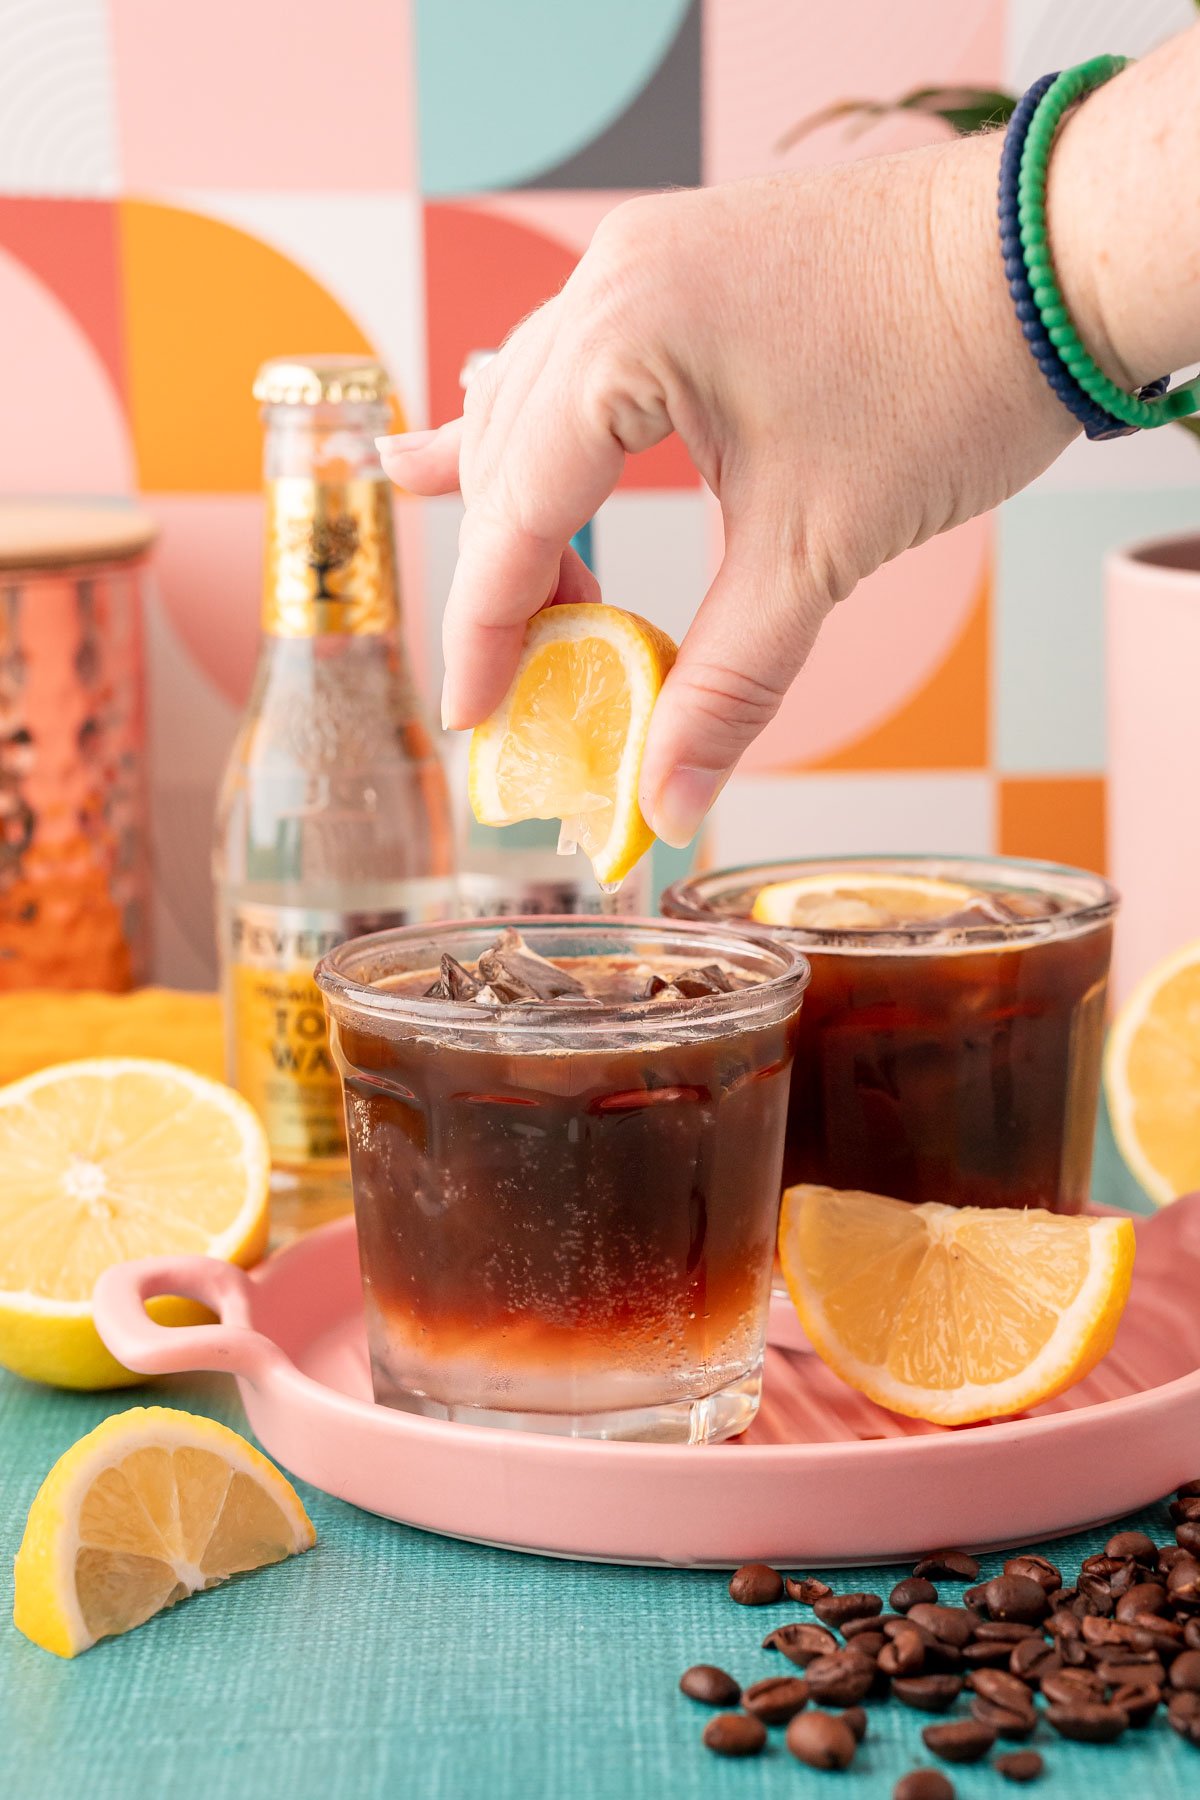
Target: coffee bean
{"points": [[983, 1654], [962, 1741], [914, 1590], [947, 1565], [1133, 1544], [734, 1734], [1183, 1715], [806, 1589], [853, 1629], [1183, 1584], [1169, 1555], [1143, 1597], [903, 1653], [842, 1678], [1019, 1765], [1122, 1674], [1088, 1721], [754, 1584], [1186, 1509], [1191, 1634], [975, 1598], [927, 1693], [1138, 1700], [942, 1659], [999, 1686], [777, 1699], [1066, 1596], [856, 1719], [1006, 1631], [822, 1741], [1005, 1721], [1104, 1634], [923, 1784], [1095, 1598], [1035, 1568], [1101, 1566], [800, 1643], [1064, 1625], [1126, 1577], [1185, 1671], [1188, 1536], [949, 1624], [1167, 1636], [1033, 1660], [709, 1684], [869, 1643], [836, 1609], [1066, 1686], [1188, 1490], [1015, 1597]]}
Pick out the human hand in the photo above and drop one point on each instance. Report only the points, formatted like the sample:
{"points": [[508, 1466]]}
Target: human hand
{"points": [[838, 352]]}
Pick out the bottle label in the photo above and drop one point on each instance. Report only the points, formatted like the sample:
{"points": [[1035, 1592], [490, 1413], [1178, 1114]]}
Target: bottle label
{"points": [[280, 1054], [330, 562]]}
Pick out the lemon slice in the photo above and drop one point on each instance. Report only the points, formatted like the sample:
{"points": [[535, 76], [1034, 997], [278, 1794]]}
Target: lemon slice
{"points": [[953, 1313], [105, 1160], [566, 741], [858, 900], [1152, 1077], [151, 1506]]}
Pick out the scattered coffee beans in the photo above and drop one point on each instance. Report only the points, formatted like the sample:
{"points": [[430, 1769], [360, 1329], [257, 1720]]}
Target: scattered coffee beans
{"points": [[710, 1685], [1015, 1597], [948, 1624], [754, 1584], [923, 1784], [1007, 1721], [1019, 1765], [822, 1741], [842, 1679], [777, 1699], [928, 1693], [1133, 1544], [1185, 1671], [734, 1734], [1035, 1568], [1088, 1721], [856, 1719], [800, 1643], [948, 1565], [962, 1741]]}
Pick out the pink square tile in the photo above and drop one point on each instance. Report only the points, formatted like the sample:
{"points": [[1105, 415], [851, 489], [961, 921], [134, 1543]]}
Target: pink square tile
{"points": [[769, 63], [271, 94]]}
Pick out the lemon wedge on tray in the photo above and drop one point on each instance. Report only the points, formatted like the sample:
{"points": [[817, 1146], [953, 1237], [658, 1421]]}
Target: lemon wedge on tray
{"points": [[953, 1313], [150, 1507], [1152, 1077], [566, 741], [109, 1159]]}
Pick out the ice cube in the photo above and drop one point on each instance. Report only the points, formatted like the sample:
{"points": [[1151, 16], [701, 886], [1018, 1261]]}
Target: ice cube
{"points": [[695, 984], [515, 972]]}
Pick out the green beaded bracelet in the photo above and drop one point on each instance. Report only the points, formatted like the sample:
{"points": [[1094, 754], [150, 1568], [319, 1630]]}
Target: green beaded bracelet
{"points": [[1073, 85]]}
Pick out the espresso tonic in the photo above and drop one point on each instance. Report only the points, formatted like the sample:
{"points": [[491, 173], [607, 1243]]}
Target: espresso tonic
{"points": [[566, 1144], [953, 1029]]}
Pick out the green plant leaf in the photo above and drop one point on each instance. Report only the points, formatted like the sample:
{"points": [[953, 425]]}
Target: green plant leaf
{"points": [[964, 109]]}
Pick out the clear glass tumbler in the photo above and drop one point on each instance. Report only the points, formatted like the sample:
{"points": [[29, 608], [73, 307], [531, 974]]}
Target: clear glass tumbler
{"points": [[567, 1209]]}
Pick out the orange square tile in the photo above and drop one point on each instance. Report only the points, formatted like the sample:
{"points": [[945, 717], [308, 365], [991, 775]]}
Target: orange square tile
{"points": [[1057, 817]]}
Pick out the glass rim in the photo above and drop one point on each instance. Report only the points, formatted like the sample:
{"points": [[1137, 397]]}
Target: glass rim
{"points": [[777, 994], [1096, 901]]}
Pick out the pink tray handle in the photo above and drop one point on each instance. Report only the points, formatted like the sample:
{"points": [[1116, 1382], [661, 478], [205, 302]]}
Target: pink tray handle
{"points": [[119, 1308]]}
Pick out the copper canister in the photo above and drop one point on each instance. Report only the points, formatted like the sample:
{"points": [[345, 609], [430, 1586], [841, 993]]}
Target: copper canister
{"points": [[74, 873]]}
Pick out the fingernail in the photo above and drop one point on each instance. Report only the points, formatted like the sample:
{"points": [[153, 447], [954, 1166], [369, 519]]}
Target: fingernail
{"points": [[685, 797], [403, 442]]}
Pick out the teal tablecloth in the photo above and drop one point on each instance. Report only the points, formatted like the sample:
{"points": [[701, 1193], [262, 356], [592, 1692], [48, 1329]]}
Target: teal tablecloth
{"points": [[387, 1663]]}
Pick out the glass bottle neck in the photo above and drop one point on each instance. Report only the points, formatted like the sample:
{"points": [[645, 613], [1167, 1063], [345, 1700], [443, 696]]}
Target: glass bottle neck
{"points": [[330, 556]]}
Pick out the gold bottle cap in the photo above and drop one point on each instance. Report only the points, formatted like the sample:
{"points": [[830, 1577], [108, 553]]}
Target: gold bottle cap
{"points": [[321, 381]]}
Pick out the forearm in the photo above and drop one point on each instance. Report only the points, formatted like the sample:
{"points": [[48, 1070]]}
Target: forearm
{"points": [[1124, 215]]}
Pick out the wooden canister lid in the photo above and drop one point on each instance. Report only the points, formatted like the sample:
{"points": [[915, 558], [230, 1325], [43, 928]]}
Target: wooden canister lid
{"points": [[56, 534]]}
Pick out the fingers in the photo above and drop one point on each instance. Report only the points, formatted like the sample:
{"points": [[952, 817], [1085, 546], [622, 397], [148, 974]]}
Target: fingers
{"points": [[747, 643], [424, 462], [576, 583]]}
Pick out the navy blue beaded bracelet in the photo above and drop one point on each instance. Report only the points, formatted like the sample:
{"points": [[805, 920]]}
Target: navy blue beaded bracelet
{"points": [[1097, 422]]}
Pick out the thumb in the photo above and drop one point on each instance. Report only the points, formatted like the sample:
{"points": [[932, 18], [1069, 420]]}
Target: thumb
{"points": [[745, 647]]}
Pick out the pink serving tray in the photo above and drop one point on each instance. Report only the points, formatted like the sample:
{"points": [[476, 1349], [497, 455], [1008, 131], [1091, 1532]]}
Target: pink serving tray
{"points": [[823, 1477]]}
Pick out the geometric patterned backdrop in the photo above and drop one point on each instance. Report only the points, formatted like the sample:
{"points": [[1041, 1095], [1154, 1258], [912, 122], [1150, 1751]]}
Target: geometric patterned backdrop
{"points": [[188, 187]]}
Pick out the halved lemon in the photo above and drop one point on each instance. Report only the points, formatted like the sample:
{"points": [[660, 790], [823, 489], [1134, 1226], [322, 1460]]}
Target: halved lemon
{"points": [[1152, 1077], [953, 1313], [108, 1159], [151, 1506], [566, 741], [858, 900]]}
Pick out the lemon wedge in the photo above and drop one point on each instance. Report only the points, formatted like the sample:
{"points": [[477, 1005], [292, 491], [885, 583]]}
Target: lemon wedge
{"points": [[566, 741], [953, 1313], [1152, 1077], [858, 900], [150, 1507], [104, 1160]]}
